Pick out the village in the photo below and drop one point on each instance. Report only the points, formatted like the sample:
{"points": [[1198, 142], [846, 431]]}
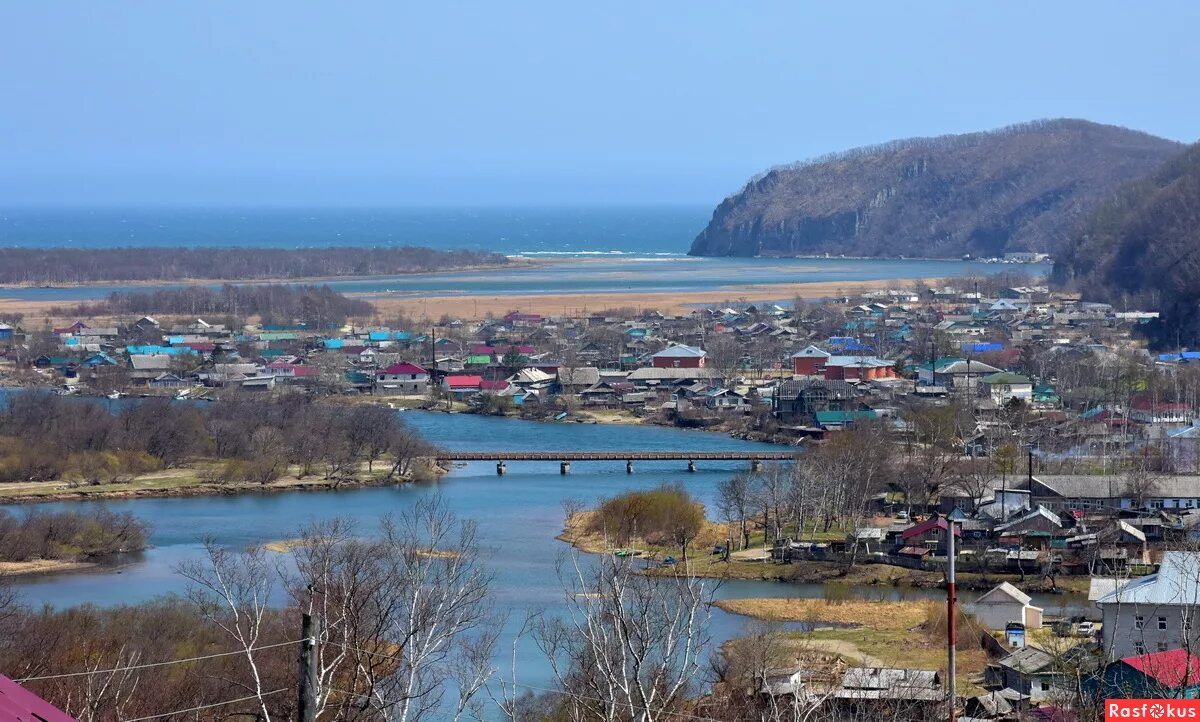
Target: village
{"points": [[1062, 455]]}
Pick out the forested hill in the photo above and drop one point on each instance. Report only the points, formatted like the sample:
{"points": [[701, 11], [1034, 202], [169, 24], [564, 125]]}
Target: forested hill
{"points": [[1143, 249], [1019, 188]]}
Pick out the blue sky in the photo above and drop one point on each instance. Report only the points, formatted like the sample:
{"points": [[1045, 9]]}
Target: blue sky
{"points": [[470, 103]]}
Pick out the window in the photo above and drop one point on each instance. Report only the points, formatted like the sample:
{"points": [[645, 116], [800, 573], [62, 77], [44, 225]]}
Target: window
{"points": [[1138, 622], [1162, 646], [1139, 648], [1187, 621], [1162, 622]]}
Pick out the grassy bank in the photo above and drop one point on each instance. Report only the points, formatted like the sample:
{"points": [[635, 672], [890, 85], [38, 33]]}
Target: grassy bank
{"points": [[186, 481], [754, 564], [42, 566], [877, 634]]}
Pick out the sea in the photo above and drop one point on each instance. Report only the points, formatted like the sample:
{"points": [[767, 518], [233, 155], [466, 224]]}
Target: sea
{"points": [[609, 250]]}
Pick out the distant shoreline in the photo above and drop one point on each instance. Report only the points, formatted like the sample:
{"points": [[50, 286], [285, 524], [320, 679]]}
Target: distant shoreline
{"points": [[514, 262]]}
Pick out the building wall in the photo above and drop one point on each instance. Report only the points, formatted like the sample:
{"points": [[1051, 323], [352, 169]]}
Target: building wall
{"points": [[1122, 636], [997, 616], [678, 363], [808, 365]]}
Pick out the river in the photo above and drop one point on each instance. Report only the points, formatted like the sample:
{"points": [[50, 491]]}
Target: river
{"points": [[518, 516]]}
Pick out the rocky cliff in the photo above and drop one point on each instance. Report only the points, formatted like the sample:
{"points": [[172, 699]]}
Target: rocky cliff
{"points": [[1019, 188]]}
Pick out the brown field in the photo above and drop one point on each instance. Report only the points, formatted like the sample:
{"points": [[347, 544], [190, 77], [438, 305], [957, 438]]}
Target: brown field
{"points": [[574, 304], [473, 307]]}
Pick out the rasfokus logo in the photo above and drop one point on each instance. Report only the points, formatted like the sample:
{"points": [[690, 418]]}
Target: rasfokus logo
{"points": [[1151, 709]]}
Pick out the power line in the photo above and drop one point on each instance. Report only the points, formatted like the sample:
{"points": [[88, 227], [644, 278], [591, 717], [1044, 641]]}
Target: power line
{"points": [[153, 664], [616, 703], [208, 706]]}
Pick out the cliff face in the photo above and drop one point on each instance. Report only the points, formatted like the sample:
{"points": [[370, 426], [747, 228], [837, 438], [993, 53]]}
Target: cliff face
{"points": [[1142, 249], [1018, 188]]}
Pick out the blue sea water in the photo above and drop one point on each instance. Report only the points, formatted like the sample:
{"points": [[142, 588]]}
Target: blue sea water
{"points": [[588, 231], [627, 250]]}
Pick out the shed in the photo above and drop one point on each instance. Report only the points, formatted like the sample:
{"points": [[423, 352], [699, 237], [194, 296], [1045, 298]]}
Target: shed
{"points": [[1005, 603]]}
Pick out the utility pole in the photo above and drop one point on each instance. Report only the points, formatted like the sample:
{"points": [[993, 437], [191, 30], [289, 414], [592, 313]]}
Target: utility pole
{"points": [[306, 709], [951, 620]]}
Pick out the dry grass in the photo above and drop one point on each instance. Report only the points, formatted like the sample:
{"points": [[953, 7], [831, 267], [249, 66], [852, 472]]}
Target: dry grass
{"points": [[876, 615], [39, 566], [283, 546], [904, 634]]}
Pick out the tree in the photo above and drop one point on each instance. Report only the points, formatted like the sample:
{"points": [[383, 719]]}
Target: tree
{"points": [[664, 514], [735, 500], [630, 645]]}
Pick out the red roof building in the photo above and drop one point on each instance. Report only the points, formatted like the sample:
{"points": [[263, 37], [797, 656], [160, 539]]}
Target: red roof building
{"points": [[464, 381], [18, 704], [1172, 668], [403, 369]]}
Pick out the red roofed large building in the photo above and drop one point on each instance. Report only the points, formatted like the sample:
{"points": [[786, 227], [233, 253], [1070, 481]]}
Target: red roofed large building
{"points": [[1149, 411]]}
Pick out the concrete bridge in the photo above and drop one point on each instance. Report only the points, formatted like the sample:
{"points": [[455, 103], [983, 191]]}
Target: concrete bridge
{"points": [[564, 458]]}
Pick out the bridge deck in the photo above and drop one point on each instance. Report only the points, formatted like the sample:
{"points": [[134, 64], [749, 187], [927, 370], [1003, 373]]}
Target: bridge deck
{"points": [[616, 455]]}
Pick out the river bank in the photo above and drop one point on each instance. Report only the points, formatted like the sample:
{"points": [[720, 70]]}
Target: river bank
{"points": [[185, 483], [43, 566]]}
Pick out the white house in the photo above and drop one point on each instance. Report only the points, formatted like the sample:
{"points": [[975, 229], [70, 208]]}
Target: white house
{"points": [[1154, 613], [402, 378], [1005, 386], [1005, 604]]}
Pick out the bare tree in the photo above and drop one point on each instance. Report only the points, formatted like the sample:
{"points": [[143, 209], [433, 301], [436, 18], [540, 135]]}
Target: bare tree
{"points": [[630, 645], [233, 592]]}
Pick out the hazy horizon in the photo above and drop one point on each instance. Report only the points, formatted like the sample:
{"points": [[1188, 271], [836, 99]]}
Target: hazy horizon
{"points": [[131, 104]]}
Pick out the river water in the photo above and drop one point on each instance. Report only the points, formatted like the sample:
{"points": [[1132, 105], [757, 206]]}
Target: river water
{"points": [[518, 516]]}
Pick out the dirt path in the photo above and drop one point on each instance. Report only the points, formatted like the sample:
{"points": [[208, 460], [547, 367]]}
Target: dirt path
{"points": [[844, 649]]}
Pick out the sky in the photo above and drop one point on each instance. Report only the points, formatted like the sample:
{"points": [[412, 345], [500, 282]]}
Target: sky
{"points": [[287, 102]]}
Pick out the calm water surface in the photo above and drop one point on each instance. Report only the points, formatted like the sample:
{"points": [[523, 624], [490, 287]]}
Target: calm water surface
{"points": [[518, 516]]}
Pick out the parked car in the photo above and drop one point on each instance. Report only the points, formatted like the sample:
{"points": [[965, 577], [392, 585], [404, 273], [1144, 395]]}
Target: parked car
{"points": [[1086, 628]]}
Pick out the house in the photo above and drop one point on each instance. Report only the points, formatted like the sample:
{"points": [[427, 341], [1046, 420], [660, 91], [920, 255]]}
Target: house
{"points": [[839, 420], [1003, 604], [146, 368], [1148, 411], [799, 401], [1004, 386], [678, 357], [168, 381], [463, 385], [1030, 671], [929, 534], [402, 378], [810, 361], [869, 692], [1156, 612], [858, 368], [954, 373], [1038, 520], [20, 705], [1173, 674], [576, 379], [1070, 491]]}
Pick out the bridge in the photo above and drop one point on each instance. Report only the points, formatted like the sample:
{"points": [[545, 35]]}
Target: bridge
{"points": [[564, 458]]}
